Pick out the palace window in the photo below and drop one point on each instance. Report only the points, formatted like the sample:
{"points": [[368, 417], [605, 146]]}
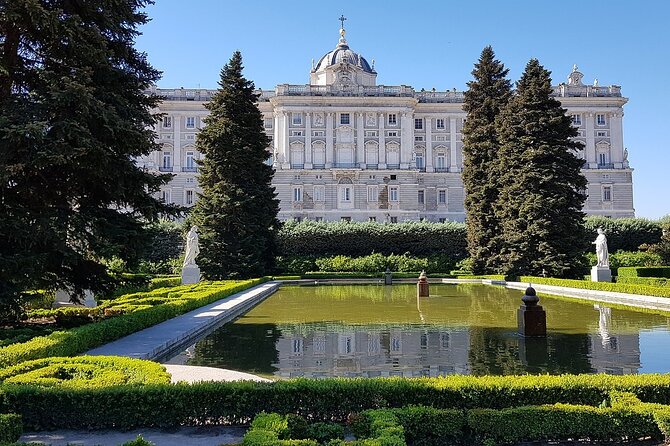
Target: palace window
{"points": [[267, 122], [439, 124], [442, 197], [319, 193], [602, 158], [600, 120], [393, 119], [188, 199], [418, 139], [373, 194], [167, 122], [296, 118], [418, 158], [392, 134], [607, 193], [167, 160], [393, 193], [318, 218], [442, 220], [296, 133], [371, 133], [420, 196], [441, 161], [190, 122], [345, 193], [418, 123], [577, 119], [297, 193], [372, 219], [318, 133], [344, 118], [601, 134], [440, 138], [394, 220], [166, 196], [190, 160], [345, 219]]}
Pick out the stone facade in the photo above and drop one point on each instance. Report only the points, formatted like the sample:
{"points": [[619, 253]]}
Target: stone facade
{"points": [[345, 148]]}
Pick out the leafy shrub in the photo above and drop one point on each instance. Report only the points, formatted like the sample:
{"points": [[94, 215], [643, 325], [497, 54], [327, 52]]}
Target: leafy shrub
{"points": [[167, 405], [295, 264], [620, 287], [324, 432], [377, 263], [85, 372], [428, 426], [626, 258], [165, 240], [11, 428], [624, 234], [311, 238], [139, 441], [164, 282], [660, 271], [78, 340]]}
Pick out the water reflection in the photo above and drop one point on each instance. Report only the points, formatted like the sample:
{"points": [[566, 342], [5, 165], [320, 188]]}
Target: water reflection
{"points": [[387, 331]]}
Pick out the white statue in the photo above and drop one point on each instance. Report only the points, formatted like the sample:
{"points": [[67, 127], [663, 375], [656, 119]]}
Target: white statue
{"points": [[192, 248], [601, 249]]}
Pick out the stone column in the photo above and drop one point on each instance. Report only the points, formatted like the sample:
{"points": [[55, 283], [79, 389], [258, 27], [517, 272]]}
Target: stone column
{"points": [[360, 139], [616, 139], [429, 146], [590, 149], [176, 154], [406, 140], [308, 140], [453, 166], [285, 147], [330, 150], [382, 143]]}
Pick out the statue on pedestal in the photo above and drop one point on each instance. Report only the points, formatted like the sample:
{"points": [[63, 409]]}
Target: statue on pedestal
{"points": [[601, 249], [601, 272], [190, 272], [192, 248]]}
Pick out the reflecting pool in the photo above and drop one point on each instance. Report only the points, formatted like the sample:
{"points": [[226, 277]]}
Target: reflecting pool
{"points": [[374, 330]]}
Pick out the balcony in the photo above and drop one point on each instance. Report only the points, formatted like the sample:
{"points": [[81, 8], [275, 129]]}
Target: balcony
{"points": [[318, 166], [606, 166], [372, 166], [297, 166], [189, 169], [165, 168], [346, 165], [421, 169], [441, 169], [393, 166]]}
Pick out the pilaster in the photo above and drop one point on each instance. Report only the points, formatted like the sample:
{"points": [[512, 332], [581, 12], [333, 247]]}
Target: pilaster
{"points": [[285, 149], [406, 140], [453, 165], [276, 136], [360, 139], [330, 150], [590, 149], [176, 136], [308, 140], [616, 139], [428, 159], [382, 143]]}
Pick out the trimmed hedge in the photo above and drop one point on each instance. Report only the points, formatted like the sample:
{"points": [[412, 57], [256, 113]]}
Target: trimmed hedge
{"points": [[168, 405], [311, 238], [648, 281], [624, 234], [11, 428], [289, 430], [645, 271], [600, 286], [171, 302], [379, 263], [85, 372]]}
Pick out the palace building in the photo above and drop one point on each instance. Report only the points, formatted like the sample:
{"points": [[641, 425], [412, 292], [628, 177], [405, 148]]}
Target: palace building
{"points": [[345, 148]]}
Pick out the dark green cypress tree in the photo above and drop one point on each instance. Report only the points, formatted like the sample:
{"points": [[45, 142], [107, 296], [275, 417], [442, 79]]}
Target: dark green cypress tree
{"points": [[540, 201], [73, 117], [237, 211], [487, 94]]}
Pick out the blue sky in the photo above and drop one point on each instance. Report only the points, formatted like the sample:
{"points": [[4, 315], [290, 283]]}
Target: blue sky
{"points": [[429, 44]]}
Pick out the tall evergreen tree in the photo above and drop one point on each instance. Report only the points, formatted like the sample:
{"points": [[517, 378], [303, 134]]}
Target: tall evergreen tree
{"points": [[73, 116], [540, 201], [487, 94], [237, 211]]}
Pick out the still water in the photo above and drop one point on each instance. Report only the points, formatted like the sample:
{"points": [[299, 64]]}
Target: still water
{"points": [[373, 330]]}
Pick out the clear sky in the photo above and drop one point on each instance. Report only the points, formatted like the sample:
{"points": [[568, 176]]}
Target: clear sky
{"points": [[428, 44]]}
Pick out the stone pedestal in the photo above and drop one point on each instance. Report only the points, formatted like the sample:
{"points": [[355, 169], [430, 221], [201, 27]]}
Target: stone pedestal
{"points": [[190, 275], [531, 317], [422, 289], [388, 277], [601, 274]]}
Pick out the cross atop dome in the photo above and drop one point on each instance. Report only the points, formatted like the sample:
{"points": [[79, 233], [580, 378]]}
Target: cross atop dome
{"points": [[342, 19]]}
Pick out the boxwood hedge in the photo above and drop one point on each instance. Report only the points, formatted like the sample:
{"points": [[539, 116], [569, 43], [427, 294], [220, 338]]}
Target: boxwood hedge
{"points": [[621, 287], [124, 407]]}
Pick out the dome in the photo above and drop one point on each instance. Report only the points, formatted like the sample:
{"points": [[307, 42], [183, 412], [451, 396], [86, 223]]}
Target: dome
{"points": [[342, 53]]}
